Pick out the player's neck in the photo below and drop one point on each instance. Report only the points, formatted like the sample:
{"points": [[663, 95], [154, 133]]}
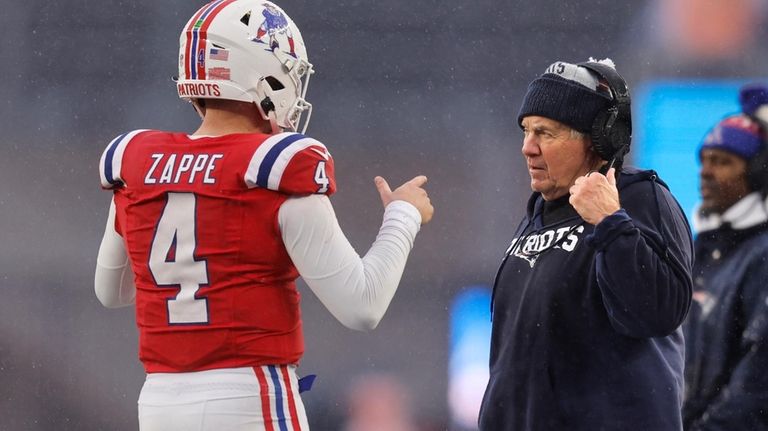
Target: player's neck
{"points": [[232, 118]]}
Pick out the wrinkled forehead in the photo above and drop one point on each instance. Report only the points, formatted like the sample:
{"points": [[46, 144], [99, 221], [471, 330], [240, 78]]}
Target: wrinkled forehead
{"points": [[539, 122]]}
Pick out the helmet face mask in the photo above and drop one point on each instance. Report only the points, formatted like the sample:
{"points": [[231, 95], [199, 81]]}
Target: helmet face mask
{"points": [[248, 51]]}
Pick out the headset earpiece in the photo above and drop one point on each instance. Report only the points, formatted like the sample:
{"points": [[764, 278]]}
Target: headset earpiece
{"points": [[612, 128], [610, 137]]}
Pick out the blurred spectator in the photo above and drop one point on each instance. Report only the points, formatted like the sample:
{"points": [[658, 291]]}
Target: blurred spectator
{"points": [[693, 38], [379, 402], [727, 329]]}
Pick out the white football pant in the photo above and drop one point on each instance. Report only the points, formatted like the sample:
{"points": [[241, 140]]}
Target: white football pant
{"points": [[264, 398]]}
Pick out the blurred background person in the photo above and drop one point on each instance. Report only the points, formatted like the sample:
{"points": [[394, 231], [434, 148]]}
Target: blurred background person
{"points": [[693, 38], [379, 402], [727, 330]]}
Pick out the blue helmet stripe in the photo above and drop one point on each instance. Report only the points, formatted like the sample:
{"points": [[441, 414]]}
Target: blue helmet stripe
{"points": [[193, 56]]}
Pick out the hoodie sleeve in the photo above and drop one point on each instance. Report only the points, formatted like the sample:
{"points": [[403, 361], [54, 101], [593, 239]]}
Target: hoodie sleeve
{"points": [[643, 263]]}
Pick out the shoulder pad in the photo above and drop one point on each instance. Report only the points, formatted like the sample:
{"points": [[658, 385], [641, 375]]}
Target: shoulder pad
{"points": [[292, 163], [112, 160]]}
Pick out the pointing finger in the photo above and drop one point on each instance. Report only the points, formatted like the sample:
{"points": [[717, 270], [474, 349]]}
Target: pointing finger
{"points": [[418, 181]]}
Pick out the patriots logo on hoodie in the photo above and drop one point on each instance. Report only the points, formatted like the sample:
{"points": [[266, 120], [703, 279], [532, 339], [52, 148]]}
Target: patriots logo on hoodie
{"points": [[530, 246]]}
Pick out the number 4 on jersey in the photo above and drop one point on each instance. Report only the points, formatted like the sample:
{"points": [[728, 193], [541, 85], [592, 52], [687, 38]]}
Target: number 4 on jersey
{"points": [[321, 178], [172, 260]]}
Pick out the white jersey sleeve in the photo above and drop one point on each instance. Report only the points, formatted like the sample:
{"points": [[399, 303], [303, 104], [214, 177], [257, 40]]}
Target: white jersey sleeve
{"points": [[357, 291], [113, 281]]}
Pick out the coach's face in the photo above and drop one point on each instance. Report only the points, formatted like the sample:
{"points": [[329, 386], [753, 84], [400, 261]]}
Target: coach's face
{"points": [[555, 156]]}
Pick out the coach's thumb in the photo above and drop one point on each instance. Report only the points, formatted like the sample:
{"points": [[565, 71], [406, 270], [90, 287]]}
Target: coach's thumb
{"points": [[611, 175]]}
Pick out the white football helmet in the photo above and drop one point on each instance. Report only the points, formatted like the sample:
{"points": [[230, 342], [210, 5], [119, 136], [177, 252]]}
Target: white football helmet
{"points": [[251, 51]]}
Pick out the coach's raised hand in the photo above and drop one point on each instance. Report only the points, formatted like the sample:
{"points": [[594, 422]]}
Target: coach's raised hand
{"points": [[595, 196], [411, 191]]}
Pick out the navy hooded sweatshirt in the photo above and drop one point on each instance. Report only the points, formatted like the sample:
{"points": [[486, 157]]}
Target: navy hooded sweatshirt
{"points": [[586, 319]]}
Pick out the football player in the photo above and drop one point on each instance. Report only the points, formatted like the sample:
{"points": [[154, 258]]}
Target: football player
{"points": [[207, 232]]}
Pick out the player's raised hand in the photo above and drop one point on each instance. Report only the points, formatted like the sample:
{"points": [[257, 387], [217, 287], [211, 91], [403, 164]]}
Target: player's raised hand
{"points": [[411, 192], [595, 196]]}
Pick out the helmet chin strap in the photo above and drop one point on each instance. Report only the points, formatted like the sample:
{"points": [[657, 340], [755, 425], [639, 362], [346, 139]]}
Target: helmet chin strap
{"points": [[199, 109], [266, 107]]}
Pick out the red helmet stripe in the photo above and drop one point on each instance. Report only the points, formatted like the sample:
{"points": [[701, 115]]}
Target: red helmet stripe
{"points": [[203, 35], [196, 33], [191, 25]]}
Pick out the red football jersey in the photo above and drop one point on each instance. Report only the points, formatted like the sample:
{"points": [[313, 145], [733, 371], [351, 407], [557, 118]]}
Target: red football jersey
{"points": [[215, 287]]}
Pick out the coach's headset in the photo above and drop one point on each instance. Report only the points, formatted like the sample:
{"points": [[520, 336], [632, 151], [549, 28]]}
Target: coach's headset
{"points": [[612, 128]]}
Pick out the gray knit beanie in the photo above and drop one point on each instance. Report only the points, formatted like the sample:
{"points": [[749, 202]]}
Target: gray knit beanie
{"points": [[568, 93]]}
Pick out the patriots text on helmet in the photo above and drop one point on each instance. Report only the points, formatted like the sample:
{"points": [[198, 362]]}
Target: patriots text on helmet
{"points": [[190, 89]]}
